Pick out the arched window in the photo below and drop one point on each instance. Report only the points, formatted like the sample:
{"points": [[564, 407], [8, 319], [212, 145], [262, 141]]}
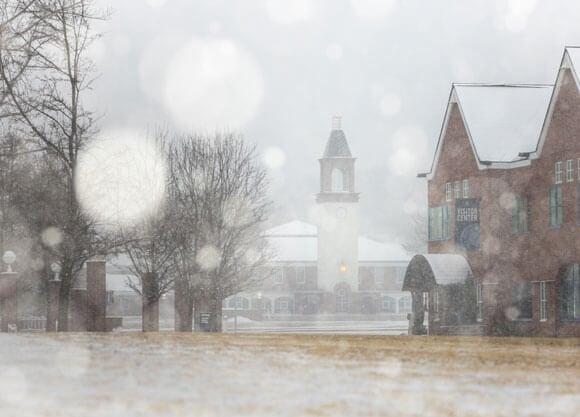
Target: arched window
{"points": [[337, 180], [388, 305]]}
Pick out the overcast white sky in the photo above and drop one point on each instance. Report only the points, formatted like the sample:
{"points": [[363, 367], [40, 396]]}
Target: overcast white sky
{"points": [[278, 70]]}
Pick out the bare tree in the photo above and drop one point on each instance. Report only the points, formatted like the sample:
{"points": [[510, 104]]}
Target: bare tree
{"points": [[44, 75], [152, 249], [416, 241], [219, 189]]}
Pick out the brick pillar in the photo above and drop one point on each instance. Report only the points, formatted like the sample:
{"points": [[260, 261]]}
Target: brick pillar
{"points": [[96, 296], [78, 310], [52, 308], [8, 301]]}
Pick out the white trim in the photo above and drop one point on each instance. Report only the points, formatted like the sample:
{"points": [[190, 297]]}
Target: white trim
{"points": [[453, 99], [565, 64]]}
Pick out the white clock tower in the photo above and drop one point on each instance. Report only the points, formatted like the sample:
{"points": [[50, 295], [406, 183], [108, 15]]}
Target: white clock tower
{"points": [[337, 215]]}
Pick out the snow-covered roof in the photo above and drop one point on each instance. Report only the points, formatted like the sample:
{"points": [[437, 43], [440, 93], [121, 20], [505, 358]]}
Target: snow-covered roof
{"points": [[294, 248], [427, 270], [373, 251], [503, 120], [294, 228], [448, 268], [298, 242]]}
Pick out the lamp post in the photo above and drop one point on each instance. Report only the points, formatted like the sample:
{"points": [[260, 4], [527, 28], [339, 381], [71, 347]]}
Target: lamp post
{"points": [[8, 295], [53, 298]]}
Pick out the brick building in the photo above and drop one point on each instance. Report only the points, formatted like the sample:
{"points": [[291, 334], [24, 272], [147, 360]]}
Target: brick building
{"points": [[504, 196], [327, 269]]}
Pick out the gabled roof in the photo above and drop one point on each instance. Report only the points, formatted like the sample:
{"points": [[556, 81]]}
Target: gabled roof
{"points": [[501, 120], [570, 60], [573, 54]]}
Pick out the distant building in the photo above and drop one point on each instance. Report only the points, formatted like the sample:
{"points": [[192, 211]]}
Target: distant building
{"points": [[327, 269], [504, 211]]}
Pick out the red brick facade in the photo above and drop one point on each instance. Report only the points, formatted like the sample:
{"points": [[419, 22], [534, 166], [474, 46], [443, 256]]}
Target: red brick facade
{"points": [[507, 258]]}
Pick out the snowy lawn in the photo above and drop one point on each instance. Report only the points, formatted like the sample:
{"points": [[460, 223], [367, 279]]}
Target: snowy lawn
{"points": [[168, 374]]}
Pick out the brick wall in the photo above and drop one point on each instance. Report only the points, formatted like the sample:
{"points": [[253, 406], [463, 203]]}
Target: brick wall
{"points": [[504, 257]]}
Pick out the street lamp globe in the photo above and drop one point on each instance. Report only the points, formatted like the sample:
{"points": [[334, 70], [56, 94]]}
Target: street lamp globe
{"points": [[56, 268], [9, 258]]}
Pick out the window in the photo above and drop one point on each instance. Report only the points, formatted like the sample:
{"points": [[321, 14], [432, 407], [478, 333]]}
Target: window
{"points": [[110, 298], [379, 273], [448, 191], [558, 171], [439, 223], [578, 168], [342, 300], [570, 294], [465, 188], [521, 215], [556, 214], [457, 189], [278, 275], [522, 296], [436, 304], [337, 180], [300, 275], [388, 305], [578, 204], [405, 304], [543, 302], [283, 305], [400, 273], [570, 170], [479, 301], [239, 302]]}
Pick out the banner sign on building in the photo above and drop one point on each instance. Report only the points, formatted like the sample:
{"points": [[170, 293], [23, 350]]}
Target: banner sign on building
{"points": [[467, 216]]}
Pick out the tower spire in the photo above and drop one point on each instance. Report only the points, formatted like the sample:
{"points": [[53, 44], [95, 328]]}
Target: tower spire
{"points": [[336, 122]]}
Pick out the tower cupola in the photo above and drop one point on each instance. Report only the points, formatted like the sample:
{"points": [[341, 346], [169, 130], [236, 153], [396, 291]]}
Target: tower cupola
{"points": [[337, 167]]}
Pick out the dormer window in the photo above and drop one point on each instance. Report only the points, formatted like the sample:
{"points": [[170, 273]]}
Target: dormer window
{"points": [[337, 181]]}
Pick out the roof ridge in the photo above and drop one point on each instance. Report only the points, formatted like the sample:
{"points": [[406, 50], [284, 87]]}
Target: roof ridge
{"points": [[510, 85]]}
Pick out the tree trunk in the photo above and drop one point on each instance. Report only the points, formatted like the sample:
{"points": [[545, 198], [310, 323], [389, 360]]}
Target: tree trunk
{"points": [[183, 306], [150, 315], [216, 316], [150, 302], [63, 303]]}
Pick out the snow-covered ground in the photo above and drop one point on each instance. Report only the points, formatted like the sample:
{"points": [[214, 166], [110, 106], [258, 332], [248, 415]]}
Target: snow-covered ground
{"points": [[167, 374]]}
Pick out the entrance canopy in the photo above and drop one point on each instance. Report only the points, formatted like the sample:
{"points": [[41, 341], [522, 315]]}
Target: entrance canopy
{"points": [[426, 271]]}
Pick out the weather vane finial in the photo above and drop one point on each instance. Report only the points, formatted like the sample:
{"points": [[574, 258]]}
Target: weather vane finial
{"points": [[336, 122]]}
